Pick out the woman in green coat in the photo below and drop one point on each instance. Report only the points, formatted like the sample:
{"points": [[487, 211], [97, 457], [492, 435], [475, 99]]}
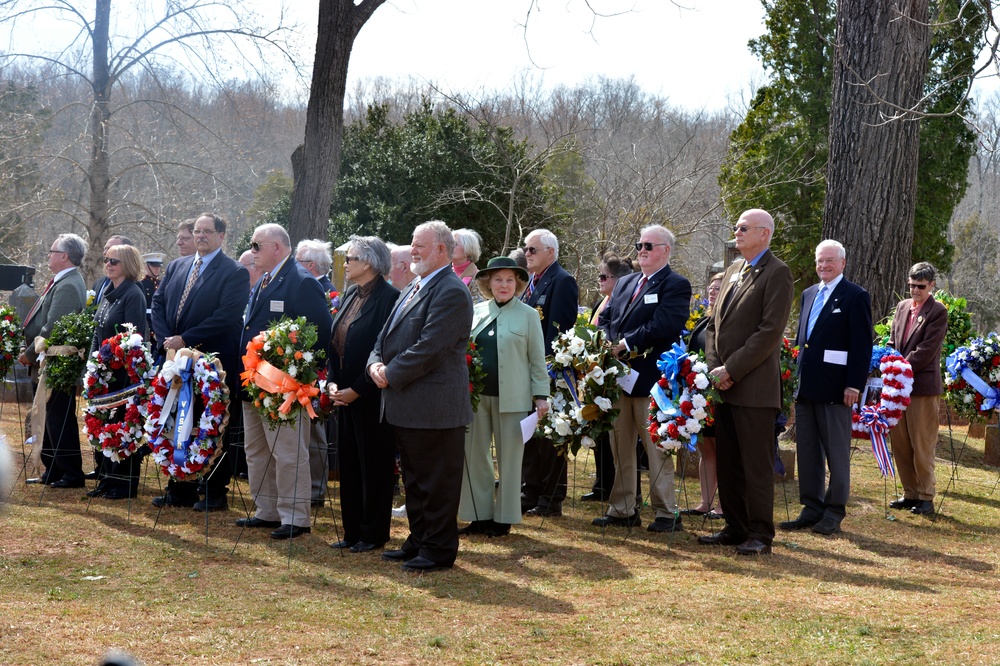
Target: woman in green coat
{"points": [[508, 334]]}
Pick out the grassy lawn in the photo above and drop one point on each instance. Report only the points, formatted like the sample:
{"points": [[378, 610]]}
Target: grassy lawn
{"points": [[81, 576]]}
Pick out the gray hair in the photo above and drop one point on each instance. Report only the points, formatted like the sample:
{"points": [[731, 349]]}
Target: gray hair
{"points": [[74, 247], [548, 239], [374, 252], [923, 271], [829, 242], [442, 234], [316, 251], [470, 241], [665, 234], [276, 233]]}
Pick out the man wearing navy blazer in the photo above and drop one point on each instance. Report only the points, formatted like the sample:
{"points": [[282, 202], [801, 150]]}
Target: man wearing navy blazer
{"points": [[208, 322], [554, 293], [278, 459], [835, 348], [647, 311], [419, 363]]}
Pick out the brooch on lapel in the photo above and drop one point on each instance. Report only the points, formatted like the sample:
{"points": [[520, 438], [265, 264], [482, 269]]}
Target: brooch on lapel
{"points": [[920, 319], [541, 315]]}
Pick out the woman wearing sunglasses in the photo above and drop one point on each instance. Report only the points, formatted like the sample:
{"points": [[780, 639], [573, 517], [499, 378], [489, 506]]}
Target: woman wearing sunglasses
{"points": [[124, 303]]}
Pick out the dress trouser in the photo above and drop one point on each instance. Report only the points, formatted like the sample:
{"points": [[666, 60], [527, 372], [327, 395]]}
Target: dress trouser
{"points": [[215, 483], [543, 473], [367, 460], [319, 461], [278, 467], [631, 423], [914, 442], [823, 438], [744, 445], [61, 445], [503, 431]]}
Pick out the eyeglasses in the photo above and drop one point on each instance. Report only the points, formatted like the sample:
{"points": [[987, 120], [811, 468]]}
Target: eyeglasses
{"points": [[203, 232], [348, 259], [743, 228], [56, 252], [255, 246], [602, 277], [714, 290], [920, 287], [648, 247], [531, 250], [111, 261]]}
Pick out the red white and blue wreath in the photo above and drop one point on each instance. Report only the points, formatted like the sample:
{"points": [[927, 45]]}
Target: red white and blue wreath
{"points": [[874, 421], [676, 418], [117, 434], [188, 413]]}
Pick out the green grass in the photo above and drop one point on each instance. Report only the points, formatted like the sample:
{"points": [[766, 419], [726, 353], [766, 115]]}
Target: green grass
{"points": [[80, 577]]}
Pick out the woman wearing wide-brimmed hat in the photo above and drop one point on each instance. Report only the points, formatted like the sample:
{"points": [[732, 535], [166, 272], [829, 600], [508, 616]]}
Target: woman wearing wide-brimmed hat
{"points": [[508, 334]]}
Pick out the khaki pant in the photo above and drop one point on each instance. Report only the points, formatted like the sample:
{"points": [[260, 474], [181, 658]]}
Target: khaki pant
{"points": [[631, 423], [914, 442]]}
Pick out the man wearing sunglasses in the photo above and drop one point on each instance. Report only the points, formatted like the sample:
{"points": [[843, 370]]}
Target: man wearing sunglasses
{"points": [[197, 305], [554, 293], [742, 350], [647, 311], [918, 330]]}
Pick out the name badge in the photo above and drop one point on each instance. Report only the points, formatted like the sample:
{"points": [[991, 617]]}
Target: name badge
{"points": [[541, 299], [277, 306], [650, 298]]}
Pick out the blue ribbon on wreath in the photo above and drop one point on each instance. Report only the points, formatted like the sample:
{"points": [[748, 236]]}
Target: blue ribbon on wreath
{"points": [[569, 378], [670, 365], [958, 366], [185, 413]]}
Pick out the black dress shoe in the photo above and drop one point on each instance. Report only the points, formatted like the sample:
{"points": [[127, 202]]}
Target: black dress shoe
{"points": [[219, 503], [753, 547], [799, 523], [96, 492], [665, 525], [40, 480], [365, 547], [495, 529], [722, 538], [827, 526], [615, 521], [254, 521], [551, 510], [595, 496], [475, 527], [903, 503], [693, 512], [290, 531], [423, 565], [65, 483], [398, 555], [90, 476], [923, 508], [120, 493], [317, 503], [340, 545], [173, 500]]}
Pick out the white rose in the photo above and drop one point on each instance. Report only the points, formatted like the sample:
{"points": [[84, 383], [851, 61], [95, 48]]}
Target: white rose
{"points": [[698, 413], [562, 358], [597, 374], [562, 427], [699, 367], [698, 401], [577, 346], [603, 403], [701, 382], [587, 442]]}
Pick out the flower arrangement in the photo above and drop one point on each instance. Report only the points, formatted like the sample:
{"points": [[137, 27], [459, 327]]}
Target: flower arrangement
{"points": [[699, 308], [584, 374], [282, 370], [188, 389], [477, 376], [873, 422], [789, 360], [11, 336], [333, 301], [118, 438], [959, 325], [972, 378], [679, 406], [66, 351]]}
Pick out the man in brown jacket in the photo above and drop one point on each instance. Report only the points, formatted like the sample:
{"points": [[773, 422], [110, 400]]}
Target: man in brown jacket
{"points": [[918, 331], [741, 346]]}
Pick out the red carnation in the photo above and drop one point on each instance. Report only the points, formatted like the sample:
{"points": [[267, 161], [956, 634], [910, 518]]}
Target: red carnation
{"points": [[663, 382]]}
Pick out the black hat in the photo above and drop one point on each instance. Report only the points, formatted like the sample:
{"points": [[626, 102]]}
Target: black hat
{"points": [[496, 263]]}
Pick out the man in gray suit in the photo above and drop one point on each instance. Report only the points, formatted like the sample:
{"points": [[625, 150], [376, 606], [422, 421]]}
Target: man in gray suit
{"points": [[65, 293], [419, 363]]}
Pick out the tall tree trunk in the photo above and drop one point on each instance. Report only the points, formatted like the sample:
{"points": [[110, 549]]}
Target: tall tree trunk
{"points": [[882, 49], [340, 21], [100, 160]]}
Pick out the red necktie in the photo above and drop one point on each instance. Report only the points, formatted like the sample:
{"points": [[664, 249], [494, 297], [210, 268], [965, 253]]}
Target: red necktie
{"points": [[38, 303], [642, 283]]}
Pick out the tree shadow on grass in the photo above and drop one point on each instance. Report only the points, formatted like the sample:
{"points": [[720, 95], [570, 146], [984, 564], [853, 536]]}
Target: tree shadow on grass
{"points": [[885, 548]]}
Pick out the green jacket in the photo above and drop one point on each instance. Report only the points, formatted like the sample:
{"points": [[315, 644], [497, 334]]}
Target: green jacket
{"points": [[520, 349]]}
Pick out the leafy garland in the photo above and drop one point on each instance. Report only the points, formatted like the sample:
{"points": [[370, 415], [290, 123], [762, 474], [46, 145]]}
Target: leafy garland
{"points": [[972, 378], [213, 401], [680, 404], [282, 370], [73, 331], [477, 376], [11, 336], [118, 439], [583, 373]]}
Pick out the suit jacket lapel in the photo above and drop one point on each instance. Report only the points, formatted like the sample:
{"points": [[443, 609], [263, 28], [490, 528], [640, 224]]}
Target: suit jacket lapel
{"points": [[832, 303], [748, 279], [631, 290], [492, 313]]}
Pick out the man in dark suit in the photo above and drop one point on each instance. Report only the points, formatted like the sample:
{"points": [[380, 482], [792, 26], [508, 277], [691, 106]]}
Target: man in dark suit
{"points": [[419, 363], [835, 348], [199, 305], [647, 311], [918, 330], [64, 294], [278, 459], [554, 293], [742, 349]]}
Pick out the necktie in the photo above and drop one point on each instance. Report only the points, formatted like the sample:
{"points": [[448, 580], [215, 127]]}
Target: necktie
{"points": [[38, 303], [190, 285], [266, 281], [736, 287], [642, 283], [409, 297], [530, 289], [816, 309]]}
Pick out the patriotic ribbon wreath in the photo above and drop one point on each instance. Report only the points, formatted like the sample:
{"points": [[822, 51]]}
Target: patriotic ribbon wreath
{"points": [[189, 390], [873, 422], [676, 419], [117, 436]]}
